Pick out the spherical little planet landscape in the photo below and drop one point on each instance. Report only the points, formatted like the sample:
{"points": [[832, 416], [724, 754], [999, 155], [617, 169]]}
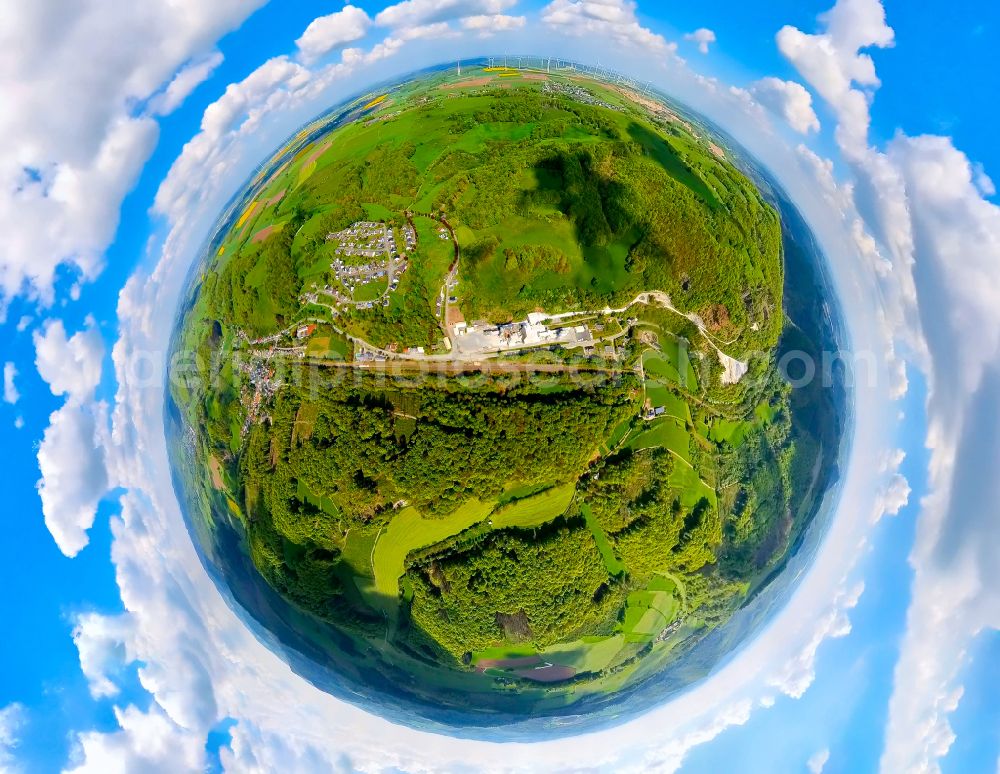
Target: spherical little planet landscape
{"points": [[475, 404]]}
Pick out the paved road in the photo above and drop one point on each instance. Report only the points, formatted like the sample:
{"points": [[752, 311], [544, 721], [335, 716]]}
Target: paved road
{"points": [[734, 369]]}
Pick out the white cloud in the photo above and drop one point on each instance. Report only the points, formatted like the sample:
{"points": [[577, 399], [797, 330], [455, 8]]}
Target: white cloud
{"points": [[70, 366], [983, 181], [834, 65], [12, 721], [817, 761], [922, 200], [798, 673], [613, 18], [709, 83], [702, 37], [66, 213], [23, 323], [147, 741], [71, 455], [415, 13], [71, 459], [957, 257], [101, 643], [394, 42], [832, 61], [487, 25], [840, 196], [788, 99], [10, 393], [331, 32], [18, 423], [185, 82], [65, 171], [236, 113], [895, 494]]}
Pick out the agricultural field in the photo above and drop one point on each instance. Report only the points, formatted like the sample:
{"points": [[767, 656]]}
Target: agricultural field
{"points": [[554, 519]]}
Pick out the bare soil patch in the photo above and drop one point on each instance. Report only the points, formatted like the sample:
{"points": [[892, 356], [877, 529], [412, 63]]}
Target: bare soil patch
{"points": [[468, 83], [454, 315], [515, 627], [508, 663], [554, 673], [716, 317], [264, 233], [314, 156], [215, 468]]}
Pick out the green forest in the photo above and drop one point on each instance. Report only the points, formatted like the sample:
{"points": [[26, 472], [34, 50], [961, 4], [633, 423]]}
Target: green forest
{"points": [[567, 525]]}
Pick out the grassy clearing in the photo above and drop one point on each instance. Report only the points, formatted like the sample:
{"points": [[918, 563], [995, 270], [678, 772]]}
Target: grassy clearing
{"points": [[649, 612], [357, 550], [369, 291], [660, 395], [435, 255], [677, 408], [590, 654], [657, 393], [340, 348], [766, 413], [519, 492], [728, 431], [692, 489], [734, 432], [672, 365], [611, 561], [410, 530], [328, 345], [378, 212], [535, 510], [318, 346], [618, 435], [325, 504], [665, 432]]}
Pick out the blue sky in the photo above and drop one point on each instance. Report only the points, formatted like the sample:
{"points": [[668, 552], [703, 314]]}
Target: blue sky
{"points": [[910, 226]]}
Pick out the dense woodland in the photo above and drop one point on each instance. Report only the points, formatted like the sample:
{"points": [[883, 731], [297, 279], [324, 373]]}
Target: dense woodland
{"points": [[351, 449], [540, 587]]}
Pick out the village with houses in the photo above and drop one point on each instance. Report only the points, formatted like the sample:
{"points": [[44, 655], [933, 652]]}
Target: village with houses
{"points": [[374, 256], [377, 276]]}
